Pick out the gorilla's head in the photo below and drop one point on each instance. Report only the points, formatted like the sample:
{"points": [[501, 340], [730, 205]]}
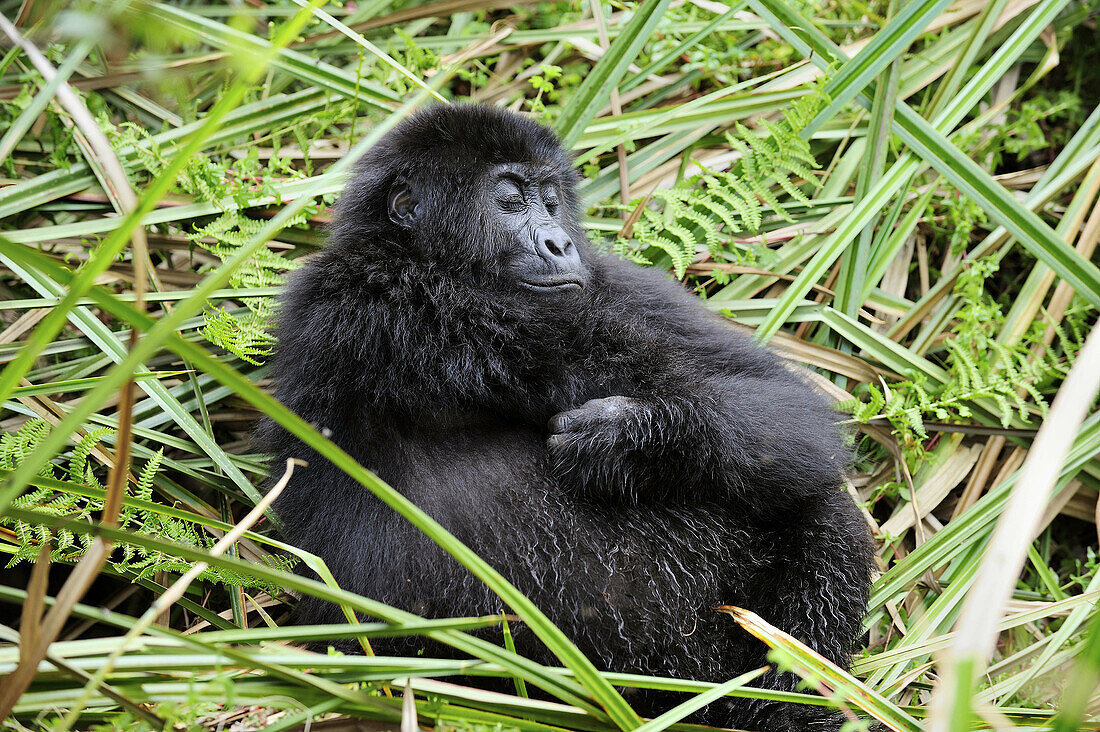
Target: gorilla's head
{"points": [[481, 191]]}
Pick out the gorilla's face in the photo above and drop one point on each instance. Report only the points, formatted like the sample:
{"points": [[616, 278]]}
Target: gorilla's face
{"points": [[521, 235], [540, 254]]}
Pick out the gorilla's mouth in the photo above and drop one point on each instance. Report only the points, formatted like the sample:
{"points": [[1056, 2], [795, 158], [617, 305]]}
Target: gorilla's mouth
{"points": [[554, 283]]}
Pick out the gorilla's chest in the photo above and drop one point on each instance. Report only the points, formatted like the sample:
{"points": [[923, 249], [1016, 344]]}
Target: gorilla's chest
{"points": [[452, 469]]}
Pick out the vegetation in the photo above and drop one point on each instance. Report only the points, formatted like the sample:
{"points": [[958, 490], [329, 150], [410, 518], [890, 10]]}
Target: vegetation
{"points": [[902, 196]]}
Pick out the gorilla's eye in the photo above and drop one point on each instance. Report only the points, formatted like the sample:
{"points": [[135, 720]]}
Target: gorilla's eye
{"points": [[510, 195], [550, 199]]}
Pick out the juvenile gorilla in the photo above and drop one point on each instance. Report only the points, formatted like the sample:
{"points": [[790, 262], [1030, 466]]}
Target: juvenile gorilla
{"points": [[621, 455]]}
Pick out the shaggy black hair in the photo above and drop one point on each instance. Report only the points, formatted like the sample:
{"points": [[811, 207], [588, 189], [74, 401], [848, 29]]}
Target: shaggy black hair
{"points": [[710, 475]]}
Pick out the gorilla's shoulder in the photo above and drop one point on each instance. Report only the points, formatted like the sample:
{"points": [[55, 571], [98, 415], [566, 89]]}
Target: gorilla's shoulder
{"points": [[649, 300], [618, 278], [340, 271]]}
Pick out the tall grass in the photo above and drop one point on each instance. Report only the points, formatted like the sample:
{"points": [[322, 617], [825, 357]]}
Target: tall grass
{"points": [[902, 196]]}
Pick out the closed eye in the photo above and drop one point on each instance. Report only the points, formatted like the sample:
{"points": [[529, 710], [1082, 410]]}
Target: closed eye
{"points": [[550, 200], [510, 194]]}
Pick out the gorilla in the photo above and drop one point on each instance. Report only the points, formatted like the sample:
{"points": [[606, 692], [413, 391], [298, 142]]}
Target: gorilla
{"points": [[624, 457]]}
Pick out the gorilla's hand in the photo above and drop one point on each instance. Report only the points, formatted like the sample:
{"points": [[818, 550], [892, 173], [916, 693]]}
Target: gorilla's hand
{"points": [[596, 423], [590, 447], [636, 448]]}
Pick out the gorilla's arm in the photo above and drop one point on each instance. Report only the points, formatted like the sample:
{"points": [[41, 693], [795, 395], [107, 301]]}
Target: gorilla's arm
{"points": [[748, 438], [749, 429]]}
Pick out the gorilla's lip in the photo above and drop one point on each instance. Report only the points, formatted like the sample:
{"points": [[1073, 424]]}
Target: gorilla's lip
{"points": [[555, 283]]}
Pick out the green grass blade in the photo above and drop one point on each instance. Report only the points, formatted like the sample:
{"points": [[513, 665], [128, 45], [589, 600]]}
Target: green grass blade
{"points": [[682, 710], [886, 45], [1082, 682], [609, 71], [933, 149], [107, 252]]}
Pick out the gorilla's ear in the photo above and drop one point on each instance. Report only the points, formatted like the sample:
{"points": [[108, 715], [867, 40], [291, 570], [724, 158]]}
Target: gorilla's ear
{"points": [[402, 205]]}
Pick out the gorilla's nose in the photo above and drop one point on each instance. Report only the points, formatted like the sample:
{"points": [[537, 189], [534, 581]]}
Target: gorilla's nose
{"points": [[555, 243]]}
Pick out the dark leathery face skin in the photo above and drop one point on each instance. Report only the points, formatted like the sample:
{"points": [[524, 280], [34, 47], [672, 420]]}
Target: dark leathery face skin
{"points": [[620, 454], [543, 258]]}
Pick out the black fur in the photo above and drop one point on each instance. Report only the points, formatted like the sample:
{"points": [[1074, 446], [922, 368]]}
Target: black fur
{"points": [[707, 472]]}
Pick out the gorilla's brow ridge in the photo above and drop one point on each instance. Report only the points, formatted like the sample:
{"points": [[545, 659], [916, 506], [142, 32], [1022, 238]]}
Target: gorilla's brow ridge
{"points": [[527, 173]]}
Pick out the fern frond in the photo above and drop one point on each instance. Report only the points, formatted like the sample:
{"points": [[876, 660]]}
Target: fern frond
{"points": [[706, 211], [79, 470]]}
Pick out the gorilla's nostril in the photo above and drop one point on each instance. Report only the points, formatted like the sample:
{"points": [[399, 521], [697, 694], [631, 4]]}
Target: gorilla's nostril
{"points": [[553, 242]]}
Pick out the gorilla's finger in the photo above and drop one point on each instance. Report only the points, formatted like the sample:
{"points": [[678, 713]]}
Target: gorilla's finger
{"points": [[558, 423], [564, 421]]}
